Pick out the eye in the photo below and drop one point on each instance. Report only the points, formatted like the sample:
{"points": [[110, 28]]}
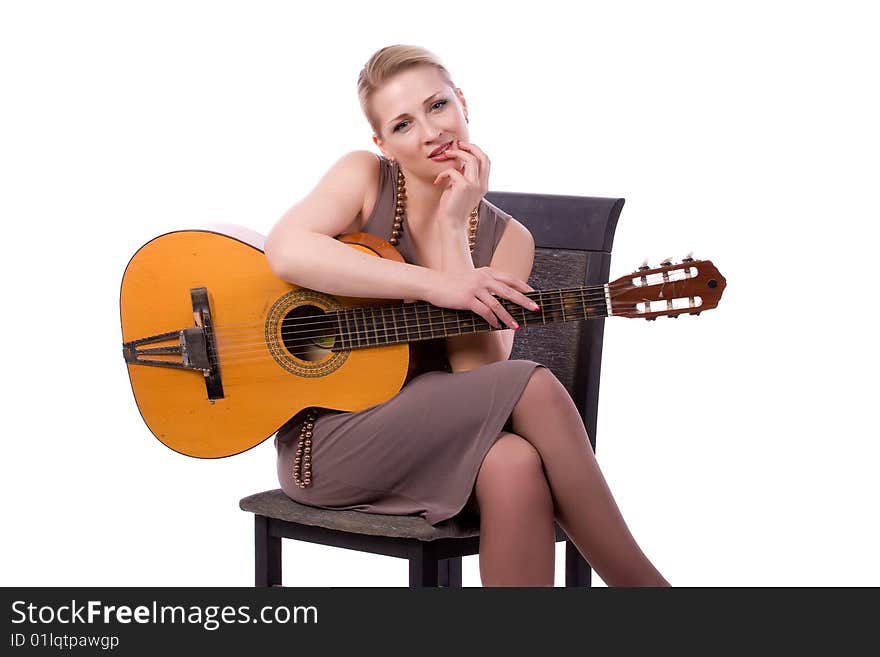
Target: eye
{"points": [[439, 102]]}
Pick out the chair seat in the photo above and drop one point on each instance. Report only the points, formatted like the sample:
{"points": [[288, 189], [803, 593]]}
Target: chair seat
{"points": [[275, 504]]}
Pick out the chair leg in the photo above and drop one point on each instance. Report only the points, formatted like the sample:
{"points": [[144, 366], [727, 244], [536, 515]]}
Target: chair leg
{"points": [[424, 568], [267, 554], [450, 573], [577, 570]]}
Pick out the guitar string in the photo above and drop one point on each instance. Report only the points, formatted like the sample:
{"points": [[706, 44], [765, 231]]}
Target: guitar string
{"points": [[590, 293], [231, 348], [413, 326], [432, 312], [410, 314], [239, 355], [259, 354], [234, 352], [587, 289], [432, 315]]}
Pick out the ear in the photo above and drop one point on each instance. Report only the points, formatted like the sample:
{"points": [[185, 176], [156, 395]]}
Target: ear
{"points": [[463, 101], [378, 143]]}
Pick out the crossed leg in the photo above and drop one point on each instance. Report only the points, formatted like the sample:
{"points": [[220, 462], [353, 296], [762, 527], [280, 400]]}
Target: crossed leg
{"points": [[513, 505], [517, 537]]}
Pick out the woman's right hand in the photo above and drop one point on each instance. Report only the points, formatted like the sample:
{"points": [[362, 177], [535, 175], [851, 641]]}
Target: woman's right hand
{"points": [[473, 290]]}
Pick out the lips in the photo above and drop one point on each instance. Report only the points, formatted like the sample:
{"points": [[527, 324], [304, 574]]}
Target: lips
{"points": [[440, 149]]}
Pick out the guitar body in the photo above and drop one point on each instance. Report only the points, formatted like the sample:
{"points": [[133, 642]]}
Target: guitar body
{"points": [[259, 377]]}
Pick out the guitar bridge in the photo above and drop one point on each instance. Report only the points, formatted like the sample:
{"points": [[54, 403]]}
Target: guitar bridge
{"points": [[196, 346]]}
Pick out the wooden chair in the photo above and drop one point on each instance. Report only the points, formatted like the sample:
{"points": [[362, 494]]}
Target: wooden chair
{"points": [[573, 237]]}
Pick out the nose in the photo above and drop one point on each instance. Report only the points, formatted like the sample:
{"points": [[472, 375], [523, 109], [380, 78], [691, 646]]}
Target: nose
{"points": [[432, 132]]}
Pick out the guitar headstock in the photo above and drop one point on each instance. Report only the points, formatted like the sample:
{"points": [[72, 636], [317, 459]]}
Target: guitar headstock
{"points": [[690, 286]]}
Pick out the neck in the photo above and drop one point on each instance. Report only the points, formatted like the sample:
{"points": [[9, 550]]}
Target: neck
{"points": [[422, 201]]}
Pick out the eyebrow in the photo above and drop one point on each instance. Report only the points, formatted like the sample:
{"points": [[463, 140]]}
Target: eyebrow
{"points": [[424, 102]]}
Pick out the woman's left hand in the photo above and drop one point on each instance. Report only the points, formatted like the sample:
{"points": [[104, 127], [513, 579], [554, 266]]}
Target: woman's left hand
{"points": [[466, 187]]}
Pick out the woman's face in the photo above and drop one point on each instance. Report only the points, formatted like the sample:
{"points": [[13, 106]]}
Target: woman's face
{"points": [[432, 115]]}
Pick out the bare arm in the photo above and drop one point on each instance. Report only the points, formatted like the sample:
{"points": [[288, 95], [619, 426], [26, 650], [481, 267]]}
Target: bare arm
{"points": [[322, 263], [302, 248]]}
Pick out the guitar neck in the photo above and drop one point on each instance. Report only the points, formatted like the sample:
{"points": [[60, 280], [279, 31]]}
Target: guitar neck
{"points": [[372, 326]]}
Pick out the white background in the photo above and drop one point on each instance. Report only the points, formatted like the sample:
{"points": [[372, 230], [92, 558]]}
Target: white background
{"points": [[741, 445]]}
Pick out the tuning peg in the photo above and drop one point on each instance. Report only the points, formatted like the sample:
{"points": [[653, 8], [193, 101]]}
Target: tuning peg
{"points": [[689, 257], [666, 262], [644, 265]]}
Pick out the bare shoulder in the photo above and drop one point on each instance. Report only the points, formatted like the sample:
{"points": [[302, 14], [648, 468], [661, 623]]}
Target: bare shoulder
{"points": [[362, 169], [335, 205]]}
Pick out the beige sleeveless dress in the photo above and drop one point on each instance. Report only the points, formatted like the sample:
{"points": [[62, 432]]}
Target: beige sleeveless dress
{"points": [[419, 452]]}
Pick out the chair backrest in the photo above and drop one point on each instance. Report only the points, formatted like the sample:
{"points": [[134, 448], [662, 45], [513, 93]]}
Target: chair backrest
{"points": [[573, 238]]}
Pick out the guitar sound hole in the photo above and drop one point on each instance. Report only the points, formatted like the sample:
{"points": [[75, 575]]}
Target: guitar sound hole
{"points": [[308, 333]]}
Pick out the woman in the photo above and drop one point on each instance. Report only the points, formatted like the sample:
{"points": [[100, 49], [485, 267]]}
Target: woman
{"points": [[471, 430]]}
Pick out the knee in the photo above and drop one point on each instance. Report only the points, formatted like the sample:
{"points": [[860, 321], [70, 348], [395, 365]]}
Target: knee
{"points": [[544, 389], [544, 378], [512, 463]]}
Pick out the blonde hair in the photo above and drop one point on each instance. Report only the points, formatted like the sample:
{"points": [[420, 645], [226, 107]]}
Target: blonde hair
{"points": [[383, 65]]}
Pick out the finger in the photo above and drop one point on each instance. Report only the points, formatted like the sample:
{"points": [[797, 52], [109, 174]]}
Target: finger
{"points": [[485, 163], [499, 310], [517, 297], [525, 301], [472, 168], [480, 309], [464, 156], [441, 175], [508, 284], [511, 280], [453, 174], [473, 148]]}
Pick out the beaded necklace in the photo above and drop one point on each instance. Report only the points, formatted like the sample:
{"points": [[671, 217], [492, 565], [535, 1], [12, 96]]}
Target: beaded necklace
{"points": [[303, 459], [400, 214]]}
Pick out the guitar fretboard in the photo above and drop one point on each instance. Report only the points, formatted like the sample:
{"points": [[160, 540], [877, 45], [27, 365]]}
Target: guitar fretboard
{"points": [[371, 326]]}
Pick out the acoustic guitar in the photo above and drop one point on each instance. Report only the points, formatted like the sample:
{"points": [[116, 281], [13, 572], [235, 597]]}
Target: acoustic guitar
{"points": [[221, 352]]}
